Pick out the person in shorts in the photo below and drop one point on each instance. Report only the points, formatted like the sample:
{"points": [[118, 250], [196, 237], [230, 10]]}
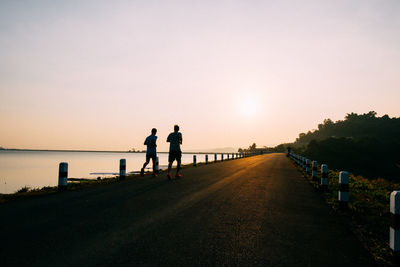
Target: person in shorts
{"points": [[175, 153], [151, 152]]}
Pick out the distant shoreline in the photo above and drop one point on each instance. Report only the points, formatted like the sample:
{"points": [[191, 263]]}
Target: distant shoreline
{"points": [[104, 151]]}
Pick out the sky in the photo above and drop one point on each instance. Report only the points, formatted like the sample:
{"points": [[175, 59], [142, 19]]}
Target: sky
{"points": [[98, 75]]}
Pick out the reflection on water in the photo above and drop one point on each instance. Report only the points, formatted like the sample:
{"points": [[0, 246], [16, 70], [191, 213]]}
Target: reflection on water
{"points": [[37, 169]]}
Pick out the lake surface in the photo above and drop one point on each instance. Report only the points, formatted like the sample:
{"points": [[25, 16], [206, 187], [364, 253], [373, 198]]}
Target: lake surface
{"points": [[36, 169]]}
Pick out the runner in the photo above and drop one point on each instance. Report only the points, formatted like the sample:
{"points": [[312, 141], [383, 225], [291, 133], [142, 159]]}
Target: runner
{"points": [[151, 151], [175, 153]]}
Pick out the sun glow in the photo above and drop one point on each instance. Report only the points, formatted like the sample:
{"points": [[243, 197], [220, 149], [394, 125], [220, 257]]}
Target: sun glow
{"points": [[248, 105]]}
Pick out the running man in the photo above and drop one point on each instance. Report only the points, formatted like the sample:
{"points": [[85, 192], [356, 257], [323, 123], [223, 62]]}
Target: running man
{"points": [[151, 151], [175, 153]]}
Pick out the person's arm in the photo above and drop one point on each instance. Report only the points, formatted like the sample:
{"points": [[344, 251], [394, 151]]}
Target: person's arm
{"points": [[169, 138], [180, 139], [145, 141]]}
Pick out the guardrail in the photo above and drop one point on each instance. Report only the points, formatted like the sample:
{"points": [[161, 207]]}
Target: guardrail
{"points": [[63, 167], [344, 196]]}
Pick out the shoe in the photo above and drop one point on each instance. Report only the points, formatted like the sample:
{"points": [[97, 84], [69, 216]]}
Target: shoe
{"points": [[141, 172], [154, 174], [178, 175], [169, 176]]}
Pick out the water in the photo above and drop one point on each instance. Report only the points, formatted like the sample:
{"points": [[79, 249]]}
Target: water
{"points": [[36, 169]]}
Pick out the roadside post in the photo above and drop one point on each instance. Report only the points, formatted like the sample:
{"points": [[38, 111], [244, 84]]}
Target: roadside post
{"points": [[215, 157], [63, 176], [227, 156], [194, 161], [222, 157], [157, 165], [314, 170], [343, 189], [206, 159], [122, 169], [394, 230], [308, 166], [324, 177]]}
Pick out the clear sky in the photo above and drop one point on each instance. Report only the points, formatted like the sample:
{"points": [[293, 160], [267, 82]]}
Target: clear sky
{"points": [[101, 74]]}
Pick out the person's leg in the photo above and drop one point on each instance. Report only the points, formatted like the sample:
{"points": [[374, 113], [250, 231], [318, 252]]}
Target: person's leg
{"points": [[154, 160], [144, 165], [178, 167], [147, 161], [178, 160], [170, 161], [169, 166]]}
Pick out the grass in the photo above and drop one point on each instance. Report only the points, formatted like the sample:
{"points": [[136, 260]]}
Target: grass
{"points": [[27, 192], [368, 210]]}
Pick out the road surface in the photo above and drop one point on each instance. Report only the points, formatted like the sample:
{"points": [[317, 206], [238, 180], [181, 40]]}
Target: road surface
{"points": [[257, 211]]}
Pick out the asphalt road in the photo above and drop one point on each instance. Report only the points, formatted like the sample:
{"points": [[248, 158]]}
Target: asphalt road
{"points": [[257, 211]]}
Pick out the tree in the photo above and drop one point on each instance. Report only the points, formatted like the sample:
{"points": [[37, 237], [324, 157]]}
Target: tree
{"points": [[252, 147]]}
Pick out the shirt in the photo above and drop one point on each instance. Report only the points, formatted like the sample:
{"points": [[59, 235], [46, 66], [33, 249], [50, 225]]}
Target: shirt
{"points": [[175, 140], [151, 144]]}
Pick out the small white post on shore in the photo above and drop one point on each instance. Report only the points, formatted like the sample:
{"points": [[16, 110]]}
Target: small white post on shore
{"points": [[394, 230], [63, 176], [308, 166], [122, 169], [194, 161], [343, 188], [324, 177], [314, 174], [206, 159], [157, 165]]}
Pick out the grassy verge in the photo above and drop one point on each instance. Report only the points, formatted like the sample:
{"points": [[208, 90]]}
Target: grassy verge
{"points": [[368, 210], [26, 192]]}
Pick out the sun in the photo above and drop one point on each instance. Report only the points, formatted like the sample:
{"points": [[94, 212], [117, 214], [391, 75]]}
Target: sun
{"points": [[248, 105]]}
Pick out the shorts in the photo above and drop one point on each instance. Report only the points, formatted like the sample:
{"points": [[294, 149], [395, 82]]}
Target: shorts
{"points": [[174, 155]]}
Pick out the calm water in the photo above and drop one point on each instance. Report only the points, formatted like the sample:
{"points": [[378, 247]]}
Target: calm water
{"points": [[37, 169]]}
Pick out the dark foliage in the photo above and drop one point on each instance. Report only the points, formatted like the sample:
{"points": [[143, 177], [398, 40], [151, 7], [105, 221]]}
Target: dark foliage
{"points": [[366, 156], [356, 126], [364, 144]]}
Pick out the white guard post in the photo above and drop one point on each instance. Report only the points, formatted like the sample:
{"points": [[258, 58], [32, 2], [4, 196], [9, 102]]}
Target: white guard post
{"points": [[122, 169], [63, 176], [394, 230]]}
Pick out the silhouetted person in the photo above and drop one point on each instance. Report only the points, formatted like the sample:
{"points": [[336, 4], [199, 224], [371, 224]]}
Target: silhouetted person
{"points": [[151, 152], [175, 153]]}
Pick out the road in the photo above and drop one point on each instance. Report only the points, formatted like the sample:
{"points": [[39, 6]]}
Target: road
{"points": [[257, 211]]}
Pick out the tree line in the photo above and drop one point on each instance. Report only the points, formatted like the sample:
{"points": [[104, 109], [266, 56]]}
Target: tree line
{"points": [[363, 144]]}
